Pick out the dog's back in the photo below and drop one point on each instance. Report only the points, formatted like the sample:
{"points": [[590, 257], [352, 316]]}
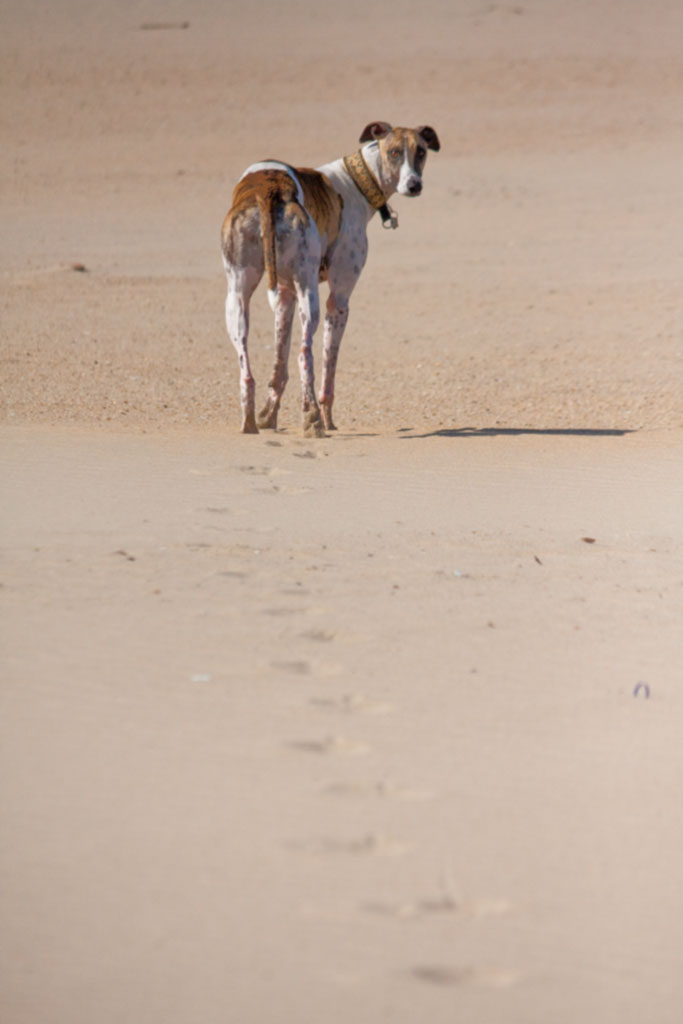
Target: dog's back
{"points": [[296, 193]]}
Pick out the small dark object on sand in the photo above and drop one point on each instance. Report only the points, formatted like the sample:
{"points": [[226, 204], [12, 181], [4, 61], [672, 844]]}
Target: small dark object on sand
{"points": [[155, 26]]}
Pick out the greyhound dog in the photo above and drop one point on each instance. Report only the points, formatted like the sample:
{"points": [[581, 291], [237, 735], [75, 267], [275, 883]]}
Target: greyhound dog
{"points": [[303, 226]]}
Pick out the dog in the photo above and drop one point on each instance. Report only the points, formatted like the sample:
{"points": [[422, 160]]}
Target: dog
{"points": [[303, 226]]}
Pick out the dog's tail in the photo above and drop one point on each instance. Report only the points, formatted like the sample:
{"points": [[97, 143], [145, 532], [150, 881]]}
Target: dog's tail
{"points": [[266, 205]]}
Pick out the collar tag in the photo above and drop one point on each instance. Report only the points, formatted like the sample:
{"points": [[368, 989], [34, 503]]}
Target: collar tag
{"points": [[389, 217]]}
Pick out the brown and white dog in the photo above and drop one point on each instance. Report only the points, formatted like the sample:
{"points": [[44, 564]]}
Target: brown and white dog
{"points": [[303, 226]]}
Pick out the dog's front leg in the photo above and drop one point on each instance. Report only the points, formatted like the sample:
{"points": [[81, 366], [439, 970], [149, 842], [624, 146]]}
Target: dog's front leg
{"points": [[345, 268], [335, 322]]}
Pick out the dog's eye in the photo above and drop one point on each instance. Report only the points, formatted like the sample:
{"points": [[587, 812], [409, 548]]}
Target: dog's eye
{"points": [[395, 154], [421, 153]]}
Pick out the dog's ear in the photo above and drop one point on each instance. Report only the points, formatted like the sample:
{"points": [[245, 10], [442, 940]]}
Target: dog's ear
{"points": [[374, 131], [430, 137]]}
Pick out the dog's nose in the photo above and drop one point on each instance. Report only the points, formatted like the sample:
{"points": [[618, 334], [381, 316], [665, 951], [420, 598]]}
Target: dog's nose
{"points": [[414, 187]]}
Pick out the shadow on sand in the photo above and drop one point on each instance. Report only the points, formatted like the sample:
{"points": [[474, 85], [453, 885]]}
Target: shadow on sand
{"points": [[517, 431]]}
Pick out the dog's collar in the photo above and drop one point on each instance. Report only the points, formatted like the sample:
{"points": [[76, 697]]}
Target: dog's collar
{"points": [[364, 180], [368, 186]]}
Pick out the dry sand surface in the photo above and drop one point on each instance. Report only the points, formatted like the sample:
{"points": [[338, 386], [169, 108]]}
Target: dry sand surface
{"points": [[385, 726]]}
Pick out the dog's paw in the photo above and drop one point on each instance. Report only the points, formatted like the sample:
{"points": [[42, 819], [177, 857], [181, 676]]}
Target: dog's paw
{"points": [[313, 424], [249, 425], [267, 418], [327, 417]]}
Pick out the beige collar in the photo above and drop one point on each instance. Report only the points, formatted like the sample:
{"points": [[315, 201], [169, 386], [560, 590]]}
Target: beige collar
{"points": [[364, 179]]}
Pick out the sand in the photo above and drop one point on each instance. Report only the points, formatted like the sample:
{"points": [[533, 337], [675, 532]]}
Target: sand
{"points": [[384, 726]]}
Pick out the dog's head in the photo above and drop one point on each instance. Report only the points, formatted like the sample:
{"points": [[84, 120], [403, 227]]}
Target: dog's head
{"points": [[403, 152]]}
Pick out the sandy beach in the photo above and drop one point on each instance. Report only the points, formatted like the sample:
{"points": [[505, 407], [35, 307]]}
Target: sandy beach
{"points": [[384, 726]]}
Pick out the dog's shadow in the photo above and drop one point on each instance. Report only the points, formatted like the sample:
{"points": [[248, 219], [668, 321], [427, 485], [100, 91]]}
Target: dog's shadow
{"points": [[515, 432]]}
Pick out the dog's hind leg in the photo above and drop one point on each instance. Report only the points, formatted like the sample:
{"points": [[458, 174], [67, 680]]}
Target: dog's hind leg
{"points": [[309, 314], [284, 315], [305, 267], [241, 285]]}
